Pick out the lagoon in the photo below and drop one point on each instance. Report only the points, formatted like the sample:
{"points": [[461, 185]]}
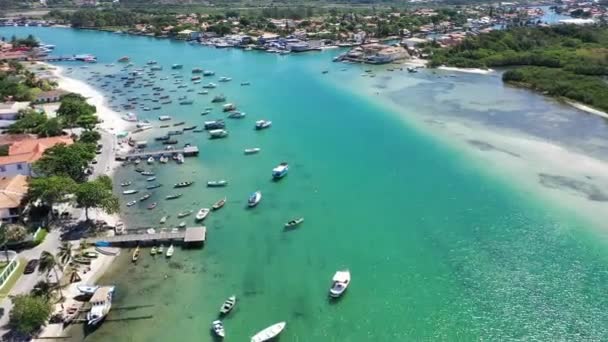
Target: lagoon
{"points": [[464, 209]]}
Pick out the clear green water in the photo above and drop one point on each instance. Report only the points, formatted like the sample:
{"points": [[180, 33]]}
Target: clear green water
{"points": [[438, 249]]}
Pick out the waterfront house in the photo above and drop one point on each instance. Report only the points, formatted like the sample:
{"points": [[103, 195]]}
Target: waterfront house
{"points": [[50, 96], [188, 35], [12, 191], [10, 110], [22, 154]]}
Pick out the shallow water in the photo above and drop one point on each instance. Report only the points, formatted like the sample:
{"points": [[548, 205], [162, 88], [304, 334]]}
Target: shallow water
{"points": [[440, 246]]}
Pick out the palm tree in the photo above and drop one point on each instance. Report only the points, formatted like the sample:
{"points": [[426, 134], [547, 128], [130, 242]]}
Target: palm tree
{"points": [[47, 264], [65, 253], [3, 242], [42, 289]]}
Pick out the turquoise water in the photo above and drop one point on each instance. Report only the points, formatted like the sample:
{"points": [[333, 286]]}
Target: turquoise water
{"points": [[438, 248]]}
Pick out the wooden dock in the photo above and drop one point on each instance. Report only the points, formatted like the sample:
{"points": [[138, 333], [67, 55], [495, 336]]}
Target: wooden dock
{"points": [[188, 151], [189, 236]]}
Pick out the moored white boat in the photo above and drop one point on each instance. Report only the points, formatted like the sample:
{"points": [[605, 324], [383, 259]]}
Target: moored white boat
{"points": [[170, 251], [254, 199], [262, 124], [219, 204], [252, 150], [228, 305], [280, 171], [217, 183], [218, 328], [269, 333], [130, 192], [293, 223], [340, 283], [202, 214], [101, 303]]}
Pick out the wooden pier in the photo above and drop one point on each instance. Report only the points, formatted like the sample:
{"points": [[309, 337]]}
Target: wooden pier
{"points": [[192, 236], [188, 151]]}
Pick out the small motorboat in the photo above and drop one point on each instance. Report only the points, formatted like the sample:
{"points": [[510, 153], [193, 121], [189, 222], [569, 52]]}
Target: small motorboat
{"points": [[127, 183], [293, 223], [218, 183], [339, 284], [152, 206], [130, 192], [218, 328], [147, 173], [150, 179], [170, 251], [153, 251], [144, 197], [163, 220], [219, 204], [174, 196], [202, 214], [131, 203], [254, 199], [183, 184], [237, 115], [228, 305], [176, 66], [182, 224], [151, 160], [252, 150], [135, 255], [269, 333], [160, 249], [87, 289], [153, 186], [228, 107], [262, 124], [184, 213], [280, 171], [225, 79]]}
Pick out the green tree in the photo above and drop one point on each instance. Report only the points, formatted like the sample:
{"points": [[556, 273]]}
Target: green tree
{"points": [[87, 121], [72, 107], [97, 194], [65, 160], [15, 232], [50, 190], [47, 264], [50, 128], [89, 137], [29, 313], [3, 242], [65, 253], [42, 289]]}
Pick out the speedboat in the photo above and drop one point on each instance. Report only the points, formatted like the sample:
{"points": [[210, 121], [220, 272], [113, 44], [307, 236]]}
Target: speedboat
{"points": [[225, 79], [217, 133], [131, 203], [174, 196], [150, 179], [88, 290], [184, 213], [218, 98], [269, 333], [218, 328], [169, 251], [254, 199], [219, 204], [280, 171], [130, 192], [228, 107], [183, 184], [261, 124], [215, 184], [237, 115], [209, 85], [144, 197], [208, 73], [127, 183], [293, 223], [101, 305], [152, 206], [202, 214], [339, 284], [252, 150], [228, 305]]}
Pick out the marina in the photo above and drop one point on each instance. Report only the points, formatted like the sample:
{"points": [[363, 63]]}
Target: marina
{"points": [[189, 151]]}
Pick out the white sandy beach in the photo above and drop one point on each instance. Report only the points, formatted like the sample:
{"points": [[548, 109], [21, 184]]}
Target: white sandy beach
{"points": [[588, 109]]}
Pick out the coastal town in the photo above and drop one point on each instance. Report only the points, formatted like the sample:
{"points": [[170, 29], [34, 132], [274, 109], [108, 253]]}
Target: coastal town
{"points": [[96, 151]]}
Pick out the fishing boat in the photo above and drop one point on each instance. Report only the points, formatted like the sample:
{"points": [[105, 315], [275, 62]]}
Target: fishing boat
{"points": [[88, 290], [151, 160], [124, 59], [340, 283], [215, 124], [152, 206], [160, 249], [131, 203], [237, 115], [253, 150], [218, 98], [225, 79], [147, 173], [269, 333], [254, 199], [219, 204], [150, 179], [294, 223], [186, 102], [130, 192], [135, 255], [218, 183], [218, 328], [174, 196], [202, 214], [153, 186], [208, 73], [176, 66], [163, 220], [228, 305], [153, 251], [144, 197], [217, 133], [228, 107], [189, 128], [197, 70], [183, 184], [101, 303], [262, 124], [209, 85], [184, 213], [127, 183], [169, 251], [182, 224], [280, 171]]}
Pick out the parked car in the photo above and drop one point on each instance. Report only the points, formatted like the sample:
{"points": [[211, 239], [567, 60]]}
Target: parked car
{"points": [[31, 266]]}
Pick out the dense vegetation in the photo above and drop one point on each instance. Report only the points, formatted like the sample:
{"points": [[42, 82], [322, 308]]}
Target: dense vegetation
{"points": [[562, 60]]}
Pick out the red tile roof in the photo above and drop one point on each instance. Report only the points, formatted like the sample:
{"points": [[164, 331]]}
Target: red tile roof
{"points": [[30, 150]]}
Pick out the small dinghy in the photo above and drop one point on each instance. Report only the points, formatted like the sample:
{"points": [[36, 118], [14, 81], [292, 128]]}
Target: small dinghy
{"points": [[169, 251], [218, 328], [218, 183], [183, 184], [294, 223], [126, 183], [252, 150], [182, 224], [254, 199], [163, 220], [150, 179], [152, 206], [269, 333], [135, 255], [202, 214], [131, 203], [219, 204], [228, 305], [340, 283], [153, 251], [174, 196], [184, 213], [144, 197], [262, 124], [130, 192]]}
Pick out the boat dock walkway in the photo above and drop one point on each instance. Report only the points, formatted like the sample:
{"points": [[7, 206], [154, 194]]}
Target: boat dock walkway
{"points": [[187, 151], [189, 236]]}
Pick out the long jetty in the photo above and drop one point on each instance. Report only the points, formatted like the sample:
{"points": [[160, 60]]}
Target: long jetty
{"points": [[188, 151], [190, 236]]}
